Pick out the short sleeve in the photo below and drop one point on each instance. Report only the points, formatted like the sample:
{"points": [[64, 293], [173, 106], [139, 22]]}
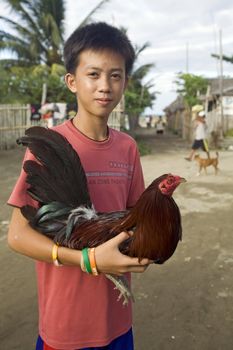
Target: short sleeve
{"points": [[137, 183]]}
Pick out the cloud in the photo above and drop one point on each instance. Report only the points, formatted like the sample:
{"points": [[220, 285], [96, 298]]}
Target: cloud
{"points": [[169, 26]]}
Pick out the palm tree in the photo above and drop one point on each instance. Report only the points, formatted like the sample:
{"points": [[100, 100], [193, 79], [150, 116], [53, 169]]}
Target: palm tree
{"points": [[138, 95], [37, 36]]}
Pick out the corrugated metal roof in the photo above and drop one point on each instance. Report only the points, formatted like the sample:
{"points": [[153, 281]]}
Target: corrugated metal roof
{"points": [[215, 86]]}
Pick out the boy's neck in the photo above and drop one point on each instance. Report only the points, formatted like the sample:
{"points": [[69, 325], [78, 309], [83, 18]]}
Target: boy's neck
{"points": [[95, 129]]}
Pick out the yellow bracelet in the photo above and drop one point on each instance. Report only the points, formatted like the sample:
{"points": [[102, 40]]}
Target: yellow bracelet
{"points": [[93, 262], [55, 255]]}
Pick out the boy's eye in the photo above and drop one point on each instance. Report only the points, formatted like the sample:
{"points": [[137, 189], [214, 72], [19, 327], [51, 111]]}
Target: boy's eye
{"points": [[116, 76], [93, 74]]}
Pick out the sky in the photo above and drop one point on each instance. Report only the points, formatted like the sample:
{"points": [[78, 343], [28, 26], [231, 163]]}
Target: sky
{"points": [[182, 35]]}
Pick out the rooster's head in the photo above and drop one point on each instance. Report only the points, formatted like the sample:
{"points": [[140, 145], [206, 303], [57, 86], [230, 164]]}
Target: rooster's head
{"points": [[169, 183]]}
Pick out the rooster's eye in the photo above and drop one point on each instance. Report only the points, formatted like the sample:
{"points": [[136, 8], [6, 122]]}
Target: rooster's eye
{"points": [[158, 261]]}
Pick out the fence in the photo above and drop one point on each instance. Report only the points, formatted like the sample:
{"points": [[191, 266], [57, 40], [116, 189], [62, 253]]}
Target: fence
{"points": [[114, 120], [15, 119]]}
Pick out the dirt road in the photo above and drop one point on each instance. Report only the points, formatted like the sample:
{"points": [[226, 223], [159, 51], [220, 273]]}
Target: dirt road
{"points": [[187, 304]]}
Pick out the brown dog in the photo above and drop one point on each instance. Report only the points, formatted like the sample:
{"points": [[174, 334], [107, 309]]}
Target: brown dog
{"points": [[205, 162]]}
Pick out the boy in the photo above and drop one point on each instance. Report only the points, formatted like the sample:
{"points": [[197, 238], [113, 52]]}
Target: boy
{"points": [[77, 310]]}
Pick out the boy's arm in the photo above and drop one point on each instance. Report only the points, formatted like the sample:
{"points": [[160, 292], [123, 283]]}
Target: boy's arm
{"points": [[27, 241]]}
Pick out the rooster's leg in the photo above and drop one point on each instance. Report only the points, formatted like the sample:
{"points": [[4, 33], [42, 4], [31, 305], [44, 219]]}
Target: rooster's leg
{"points": [[121, 283]]}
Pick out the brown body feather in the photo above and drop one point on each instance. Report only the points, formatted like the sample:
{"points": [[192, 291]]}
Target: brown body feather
{"points": [[155, 218], [156, 222]]}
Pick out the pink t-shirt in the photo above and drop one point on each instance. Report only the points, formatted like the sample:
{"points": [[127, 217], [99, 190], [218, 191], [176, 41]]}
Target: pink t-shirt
{"points": [[77, 310]]}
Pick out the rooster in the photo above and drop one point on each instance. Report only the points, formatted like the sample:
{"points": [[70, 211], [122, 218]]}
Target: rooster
{"points": [[67, 215]]}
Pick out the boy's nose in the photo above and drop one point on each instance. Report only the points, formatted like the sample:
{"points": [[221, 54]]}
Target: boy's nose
{"points": [[104, 85]]}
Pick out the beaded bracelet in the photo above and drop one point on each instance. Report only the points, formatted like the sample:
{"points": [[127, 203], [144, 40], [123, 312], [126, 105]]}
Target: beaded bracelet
{"points": [[93, 262], [55, 255], [86, 261]]}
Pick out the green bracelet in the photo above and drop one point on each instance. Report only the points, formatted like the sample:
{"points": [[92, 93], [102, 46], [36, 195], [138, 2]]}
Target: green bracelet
{"points": [[86, 260]]}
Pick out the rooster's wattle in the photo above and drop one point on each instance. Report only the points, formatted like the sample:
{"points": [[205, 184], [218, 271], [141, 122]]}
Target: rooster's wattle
{"points": [[67, 215]]}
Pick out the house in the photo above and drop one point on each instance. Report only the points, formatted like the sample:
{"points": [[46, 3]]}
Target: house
{"points": [[216, 118], [219, 119], [179, 118]]}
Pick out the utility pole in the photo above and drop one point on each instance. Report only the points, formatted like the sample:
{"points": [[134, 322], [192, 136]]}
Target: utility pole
{"points": [[221, 85], [187, 57]]}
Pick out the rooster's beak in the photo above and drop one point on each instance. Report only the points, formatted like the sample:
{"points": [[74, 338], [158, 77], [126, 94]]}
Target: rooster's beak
{"points": [[182, 179]]}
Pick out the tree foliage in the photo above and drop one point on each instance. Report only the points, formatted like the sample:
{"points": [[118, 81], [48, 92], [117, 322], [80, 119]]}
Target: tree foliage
{"points": [[24, 84], [190, 86], [36, 36], [35, 39], [138, 94]]}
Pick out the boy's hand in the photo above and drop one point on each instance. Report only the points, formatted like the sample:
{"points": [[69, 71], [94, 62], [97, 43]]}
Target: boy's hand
{"points": [[110, 260]]}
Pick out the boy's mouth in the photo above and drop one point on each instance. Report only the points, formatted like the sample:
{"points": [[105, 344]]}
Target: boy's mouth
{"points": [[103, 101]]}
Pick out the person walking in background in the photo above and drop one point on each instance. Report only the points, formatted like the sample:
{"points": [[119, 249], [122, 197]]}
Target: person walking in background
{"points": [[160, 125], [148, 121], [200, 141]]}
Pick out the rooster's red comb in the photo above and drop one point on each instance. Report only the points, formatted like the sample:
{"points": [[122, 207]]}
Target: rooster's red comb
{"points": [[168, 185]]}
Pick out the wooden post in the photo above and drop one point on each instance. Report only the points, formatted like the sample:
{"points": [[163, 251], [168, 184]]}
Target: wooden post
{"points": [[221, 85], [44, 94]]}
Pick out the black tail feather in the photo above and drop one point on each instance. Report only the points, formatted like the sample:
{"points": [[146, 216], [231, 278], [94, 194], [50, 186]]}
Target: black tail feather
{"points": [[59, 175], [28, 212]]}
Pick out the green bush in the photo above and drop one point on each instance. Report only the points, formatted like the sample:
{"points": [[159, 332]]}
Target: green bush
{"points": [[229, 132], [143, 148]]}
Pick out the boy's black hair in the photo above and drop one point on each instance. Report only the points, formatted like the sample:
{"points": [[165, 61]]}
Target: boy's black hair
{"points": [[96, 37]]}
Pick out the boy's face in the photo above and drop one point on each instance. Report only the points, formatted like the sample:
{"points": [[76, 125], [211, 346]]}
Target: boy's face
{"points": [[99, 82]]}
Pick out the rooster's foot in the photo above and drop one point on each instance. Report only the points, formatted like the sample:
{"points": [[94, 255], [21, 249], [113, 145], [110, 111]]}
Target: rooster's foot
{"points": [[121, 284]]}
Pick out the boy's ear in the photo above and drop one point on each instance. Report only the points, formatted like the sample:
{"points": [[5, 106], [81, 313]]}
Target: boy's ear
{"points": [[70, 82]]}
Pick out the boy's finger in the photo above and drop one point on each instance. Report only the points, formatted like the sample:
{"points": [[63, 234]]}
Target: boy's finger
{"points": [[122, 237], [135, 262]]}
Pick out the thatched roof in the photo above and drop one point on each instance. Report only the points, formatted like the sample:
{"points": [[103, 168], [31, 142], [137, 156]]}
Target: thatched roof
{"points": [[177, 105]]}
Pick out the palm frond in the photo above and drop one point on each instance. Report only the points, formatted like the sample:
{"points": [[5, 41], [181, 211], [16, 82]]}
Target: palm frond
{"points": [[149, 84], [142, 71], [123, 29], [7, 37], [25, 16], [23, 48], [140, 49], [56, 8], [24, 31], [88, 17], [39, 29], [12, 62]]}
